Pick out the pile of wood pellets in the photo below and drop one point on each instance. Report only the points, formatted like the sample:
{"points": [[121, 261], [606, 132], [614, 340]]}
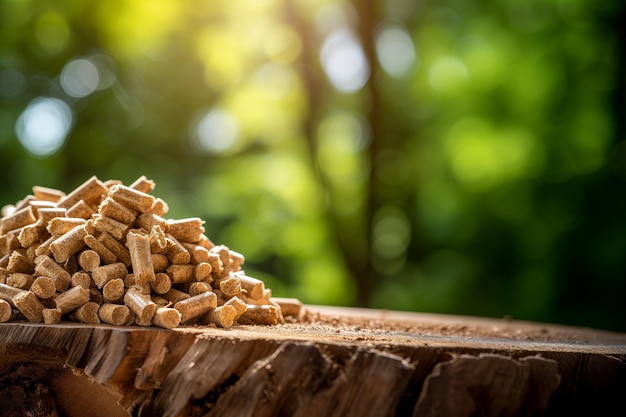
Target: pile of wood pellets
{"points": [[106, 253]]}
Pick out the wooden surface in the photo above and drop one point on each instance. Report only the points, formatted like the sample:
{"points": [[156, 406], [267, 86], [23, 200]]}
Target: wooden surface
{"points": [[335, 361]]}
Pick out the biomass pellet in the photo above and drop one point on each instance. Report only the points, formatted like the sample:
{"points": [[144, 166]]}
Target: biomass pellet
{"points": [[86, 313], [254, 287], [5, 311], [176, 252], [230, 287], [18, 219], [88, 259], [288, 306], [222, 316], [174, 295], [138, 246], [115, 314], [202, 272], [7, 292], [105, 273], [131, 198], [167, 318], [47, 194], [111, 226], [261, 314], [71, 299], [113, 290], [28, 304], [43, 287], [81, 210], [159, 262], [239, 305], [45, 265], [161, 284], [196, 288], [20, 280], [148, 220], [59, 226], [83, 279], [160, 207], [116, 211], [181, 274], [141, 305], [158, 241], [90, 191], [68, 244], [120, 251], [106, 256], [186, 230], [19, 262], [51, 315], [196, 306]]}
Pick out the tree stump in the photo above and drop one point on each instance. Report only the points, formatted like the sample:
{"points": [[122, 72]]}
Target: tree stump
{"points": [[332, 362]]}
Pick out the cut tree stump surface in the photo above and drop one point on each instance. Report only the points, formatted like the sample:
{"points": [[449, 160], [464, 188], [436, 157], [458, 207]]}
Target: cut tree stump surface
{"points": [[333, 362]]}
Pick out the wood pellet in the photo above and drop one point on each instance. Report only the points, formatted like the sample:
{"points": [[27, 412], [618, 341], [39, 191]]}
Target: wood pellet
{"points": [[106, 253]]}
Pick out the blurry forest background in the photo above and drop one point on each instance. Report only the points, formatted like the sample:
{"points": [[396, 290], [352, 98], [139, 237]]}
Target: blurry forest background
{"points": [[454, 156]]}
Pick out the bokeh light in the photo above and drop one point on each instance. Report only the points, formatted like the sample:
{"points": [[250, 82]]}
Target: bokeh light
{"points": [[43, 126]]}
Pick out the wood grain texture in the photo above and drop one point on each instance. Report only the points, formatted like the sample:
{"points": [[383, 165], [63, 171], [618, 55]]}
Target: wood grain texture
{"points": [[336, 362]]}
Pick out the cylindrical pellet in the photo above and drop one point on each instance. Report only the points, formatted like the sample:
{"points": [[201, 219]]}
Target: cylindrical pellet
{"points": [[196, 306], [6, 311], [89, 259], [254, 287], [196, 288], [239, 305], [202, 272], [115, 314], [141, 305], [186, 230], [20, 280], [161, 284], [288, 306], [121, 253], [175, 295], [109, 225], [72, 299], [106, 256], [87, 313], [167, 318], [91, 191], [222, 316], [143, 184], [45, 265], [80, 210], [81, 278], [231, 287], [131, 198], [19, 262], [51, 315], [43, 287], [113, 290], [28, 304], [159, 262], [176, 252], [181, 274], [116, 211], [263, 314], [138, 245], [7, 293], [68, 244], [105, 273]]}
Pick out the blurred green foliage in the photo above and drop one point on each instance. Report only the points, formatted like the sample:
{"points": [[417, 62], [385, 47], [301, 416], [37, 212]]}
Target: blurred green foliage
{"points": [[462, 157]]}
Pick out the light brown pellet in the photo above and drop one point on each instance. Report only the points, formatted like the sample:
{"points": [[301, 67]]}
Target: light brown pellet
{"points": [[19, 262], [28, 304], [159, 262], [120, 251], [61, 225], [20, 280], [239, 305], [68, 244], [197, 253], [261, 314], [230, 287], [181, 274], [148, 220], [254, 287], [143, 184], [43, 287], [89, 259], [44, 265], [19, 218], [222, 316], [71, 299], [160, 207], [174, 295], [81, 210], [106, 256], [138, 246], [162, 283], [167, 318], [95, 295], [111, 226], [90, 191], [176, 252], [113, 290], [115, 314], [83, 279], [141, 305], [45, 215], [47, 194], [202, 272], [7, 292], [158, 241], [131, 198], [51, 315], [5, 311], [288, 306], [196, 306], [31, 234], [196, 288], [187, 230], [87, 313], [236, 260], [105, 273], [116, 211]]}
